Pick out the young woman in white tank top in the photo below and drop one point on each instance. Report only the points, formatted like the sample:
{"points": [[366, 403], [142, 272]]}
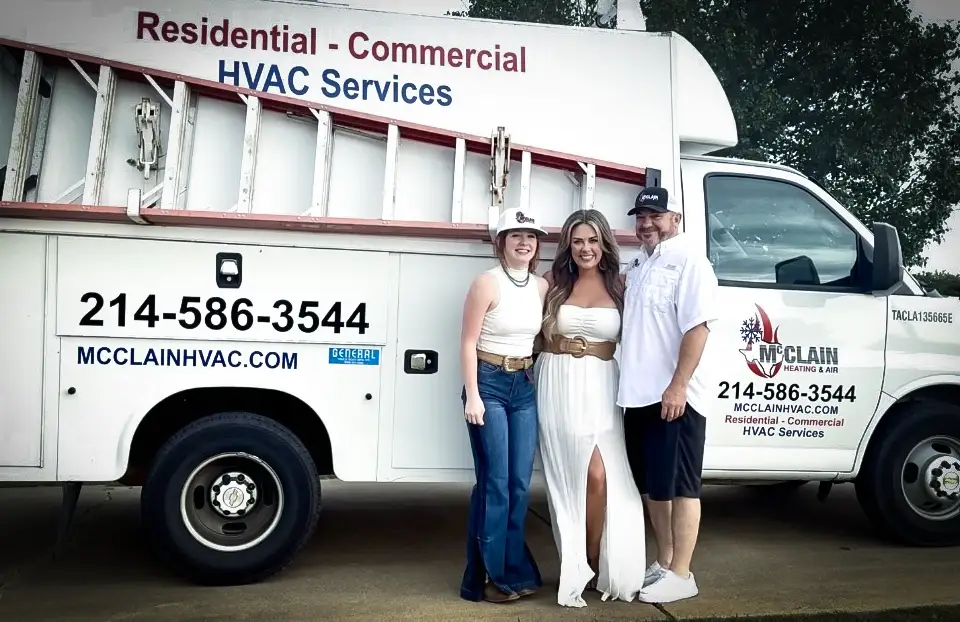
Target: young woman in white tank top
{"points": [[502, 315]]}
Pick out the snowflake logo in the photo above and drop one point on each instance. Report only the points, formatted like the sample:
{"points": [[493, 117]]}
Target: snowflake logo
{"points": [[766, 360], [751, 331]]}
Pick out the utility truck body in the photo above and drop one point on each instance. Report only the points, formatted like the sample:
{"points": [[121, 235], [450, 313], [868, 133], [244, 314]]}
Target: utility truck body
{"points": [[235, 240]]}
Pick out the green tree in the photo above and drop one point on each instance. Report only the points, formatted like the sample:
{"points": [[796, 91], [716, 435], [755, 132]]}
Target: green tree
{"points": [[944, 282], [558, 12], [860, 96]]}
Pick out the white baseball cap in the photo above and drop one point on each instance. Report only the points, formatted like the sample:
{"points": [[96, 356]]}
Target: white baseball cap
{"points": [[514, 219]]}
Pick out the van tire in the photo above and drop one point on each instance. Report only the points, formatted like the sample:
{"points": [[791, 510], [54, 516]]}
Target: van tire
{"points": [[283, 522], [878, 485]]}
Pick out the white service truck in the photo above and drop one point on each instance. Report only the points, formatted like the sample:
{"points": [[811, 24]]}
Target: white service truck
{"points": [[235, 238]]}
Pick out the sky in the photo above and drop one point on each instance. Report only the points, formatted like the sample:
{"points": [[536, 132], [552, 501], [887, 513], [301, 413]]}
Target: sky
{"points": [[945, 256], [938, 256]]}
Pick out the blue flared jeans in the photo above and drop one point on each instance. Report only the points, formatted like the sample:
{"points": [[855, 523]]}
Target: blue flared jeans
{"points": [[503, 453]]}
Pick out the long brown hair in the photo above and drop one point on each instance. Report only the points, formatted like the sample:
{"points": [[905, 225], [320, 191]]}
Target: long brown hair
{"points": [[565, 271]]}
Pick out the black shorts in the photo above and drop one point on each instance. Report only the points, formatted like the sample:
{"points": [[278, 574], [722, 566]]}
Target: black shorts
{"points": [[666, 457]]}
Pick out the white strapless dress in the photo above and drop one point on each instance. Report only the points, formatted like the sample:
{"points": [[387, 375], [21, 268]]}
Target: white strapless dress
{"points": [[577, 403]]}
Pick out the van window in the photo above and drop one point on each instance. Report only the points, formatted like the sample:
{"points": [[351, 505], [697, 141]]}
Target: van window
{"points": [[770, 232]]}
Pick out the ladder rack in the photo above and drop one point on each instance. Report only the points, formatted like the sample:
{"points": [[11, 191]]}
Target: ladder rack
{"points": [[95, 139]]}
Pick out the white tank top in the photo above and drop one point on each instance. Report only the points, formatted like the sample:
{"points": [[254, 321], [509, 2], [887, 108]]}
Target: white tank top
{"points": [[510, 328]]}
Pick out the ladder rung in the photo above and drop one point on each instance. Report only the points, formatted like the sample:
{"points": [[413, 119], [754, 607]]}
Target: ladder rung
{"points": [[390, 172], [526, 164], [176, 146], [459, 172], [248, 162], [588, 185], [24, 127], [321, 163], [99, 136]]}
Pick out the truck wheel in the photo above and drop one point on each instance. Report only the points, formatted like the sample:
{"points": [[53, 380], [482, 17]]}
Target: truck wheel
{"points": [[909, 484], [230, 499]]}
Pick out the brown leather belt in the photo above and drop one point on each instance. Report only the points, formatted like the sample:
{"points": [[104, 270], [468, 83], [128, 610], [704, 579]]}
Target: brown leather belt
{"points": [[579, 347], [507, 363]]}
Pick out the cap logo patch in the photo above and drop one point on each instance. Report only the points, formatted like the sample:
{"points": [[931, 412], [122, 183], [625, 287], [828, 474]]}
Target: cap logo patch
{"points": [[523, 218], [649, 197]]}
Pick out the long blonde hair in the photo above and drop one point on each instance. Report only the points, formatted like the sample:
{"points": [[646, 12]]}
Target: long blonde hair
{"points": [[565, 271]]}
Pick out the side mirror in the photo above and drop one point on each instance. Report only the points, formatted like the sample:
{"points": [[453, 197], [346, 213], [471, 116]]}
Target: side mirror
{"points": [[887, 258], [797, 271]]}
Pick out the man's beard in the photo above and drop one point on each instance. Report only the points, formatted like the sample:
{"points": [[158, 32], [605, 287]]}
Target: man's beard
{"points": [[661, 235]]}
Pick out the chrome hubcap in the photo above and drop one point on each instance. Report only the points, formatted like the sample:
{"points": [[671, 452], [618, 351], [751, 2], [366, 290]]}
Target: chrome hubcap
{"points": [[931, 478], [231, 502], [233, 494]]}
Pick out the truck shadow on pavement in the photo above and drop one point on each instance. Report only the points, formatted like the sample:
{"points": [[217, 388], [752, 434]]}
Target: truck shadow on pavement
{"points": [[395, 551]]}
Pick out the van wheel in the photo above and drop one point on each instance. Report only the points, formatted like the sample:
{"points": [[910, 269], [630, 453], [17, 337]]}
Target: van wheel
{"points": [[909, 484], [230, 499]]}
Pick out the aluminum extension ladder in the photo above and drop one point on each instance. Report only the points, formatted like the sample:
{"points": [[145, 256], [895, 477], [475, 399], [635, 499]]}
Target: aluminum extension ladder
{"points": [[165, 164]]}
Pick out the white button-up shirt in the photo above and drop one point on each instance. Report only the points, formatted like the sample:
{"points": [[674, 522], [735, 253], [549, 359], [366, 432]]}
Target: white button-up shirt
{"points": [[668, 292]]}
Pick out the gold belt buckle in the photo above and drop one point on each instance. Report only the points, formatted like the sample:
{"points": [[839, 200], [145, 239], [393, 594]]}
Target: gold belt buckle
{"points": [[582, 344], [508, 363]]}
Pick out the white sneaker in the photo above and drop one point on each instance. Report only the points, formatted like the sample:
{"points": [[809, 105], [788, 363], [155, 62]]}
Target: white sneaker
{"points": [[669, 588], [654, 572]]}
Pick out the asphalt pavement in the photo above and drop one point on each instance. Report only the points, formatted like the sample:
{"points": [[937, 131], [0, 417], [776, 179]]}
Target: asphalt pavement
{"points": [[395, 552]]}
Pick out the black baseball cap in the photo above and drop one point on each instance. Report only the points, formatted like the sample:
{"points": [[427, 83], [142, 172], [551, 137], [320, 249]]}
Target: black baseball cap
{"points": [[651, 198]]}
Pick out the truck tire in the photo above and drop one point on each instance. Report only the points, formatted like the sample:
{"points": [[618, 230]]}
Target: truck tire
{"points": [[909, 483], [230, 499]]}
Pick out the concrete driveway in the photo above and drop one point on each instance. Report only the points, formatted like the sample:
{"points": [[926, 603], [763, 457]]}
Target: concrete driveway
{"points": [[395, 552]]}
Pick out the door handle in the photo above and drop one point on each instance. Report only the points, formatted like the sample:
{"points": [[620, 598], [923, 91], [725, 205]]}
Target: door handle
{"points": [[229, 270], [420, 362]]}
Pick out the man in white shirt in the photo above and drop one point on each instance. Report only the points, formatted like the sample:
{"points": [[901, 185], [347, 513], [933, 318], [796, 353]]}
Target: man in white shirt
{"points": [[670, 300]]}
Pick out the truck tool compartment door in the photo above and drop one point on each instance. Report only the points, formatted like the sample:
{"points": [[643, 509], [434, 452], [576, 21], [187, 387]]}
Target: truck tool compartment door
{"points": [[428, 428], [141, 320], [23, 261], [429, 440], [797, 357]]}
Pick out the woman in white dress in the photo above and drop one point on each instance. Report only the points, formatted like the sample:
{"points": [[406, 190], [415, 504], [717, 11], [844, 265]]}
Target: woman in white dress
{"points": [[595, 508]]}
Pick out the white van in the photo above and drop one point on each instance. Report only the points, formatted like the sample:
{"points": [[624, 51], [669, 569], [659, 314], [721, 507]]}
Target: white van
{"points": [[235, 240]]}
